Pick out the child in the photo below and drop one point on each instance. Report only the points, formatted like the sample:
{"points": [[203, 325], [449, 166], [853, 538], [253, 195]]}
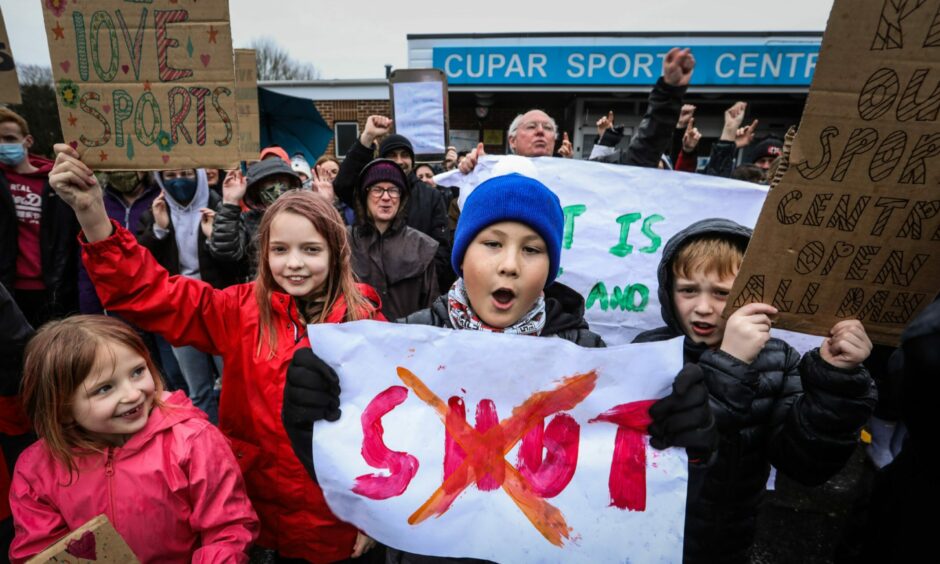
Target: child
{"points": [[506, 252], [303, 277], [113, 442], [396, 260], [771, 407]]}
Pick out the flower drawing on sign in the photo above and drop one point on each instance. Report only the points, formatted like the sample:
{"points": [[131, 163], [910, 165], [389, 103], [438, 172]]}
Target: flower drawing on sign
{"points": [[164, 142], [57, 7], [68, 91]]}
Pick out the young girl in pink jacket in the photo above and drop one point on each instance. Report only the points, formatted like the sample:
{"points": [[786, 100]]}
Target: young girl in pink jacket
{"points": [[114, 442]]}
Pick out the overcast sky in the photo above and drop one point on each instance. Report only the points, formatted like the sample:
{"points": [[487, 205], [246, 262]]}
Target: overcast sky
{"points": [[355, 39]]}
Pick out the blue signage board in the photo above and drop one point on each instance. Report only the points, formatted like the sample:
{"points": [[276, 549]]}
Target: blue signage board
{"points": [[764, 64]]}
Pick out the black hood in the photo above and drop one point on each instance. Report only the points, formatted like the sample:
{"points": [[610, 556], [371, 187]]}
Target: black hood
{"points": [[564, 310], [713, 227]]}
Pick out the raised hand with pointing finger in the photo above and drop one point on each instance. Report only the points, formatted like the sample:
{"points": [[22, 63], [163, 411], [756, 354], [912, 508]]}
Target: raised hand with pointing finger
{"points": [[566, 150], [469, 162]]}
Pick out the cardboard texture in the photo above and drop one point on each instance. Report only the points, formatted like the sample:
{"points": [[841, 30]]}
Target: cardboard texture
{"points": [[145, 85], [852, 230], [246, 99], [9, 82], [95, 541]]}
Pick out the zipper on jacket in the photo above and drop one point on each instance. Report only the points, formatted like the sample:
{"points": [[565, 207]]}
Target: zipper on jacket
{"points": [[109, 473], [291, 322]]}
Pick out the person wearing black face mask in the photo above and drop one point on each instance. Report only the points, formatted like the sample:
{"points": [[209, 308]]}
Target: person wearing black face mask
{"points": [[175, 234]]}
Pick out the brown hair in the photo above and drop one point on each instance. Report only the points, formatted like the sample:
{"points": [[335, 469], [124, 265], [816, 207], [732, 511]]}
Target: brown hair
{"points": [[7, 115], [340, 280], [711, 255], [58, 359], [326, 158]]}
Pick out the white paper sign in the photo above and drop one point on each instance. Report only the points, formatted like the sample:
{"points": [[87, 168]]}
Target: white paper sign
{"points": [[419, 115], [617, 221], [382, 465]]}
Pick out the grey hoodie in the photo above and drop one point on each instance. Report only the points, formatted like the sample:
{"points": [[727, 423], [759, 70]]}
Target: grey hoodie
{"points": [[186, 220]]}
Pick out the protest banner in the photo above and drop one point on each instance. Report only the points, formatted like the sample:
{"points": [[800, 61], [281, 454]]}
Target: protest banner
{"points": [[95, 541], [419, 109], [852, 231], [617, 219], [246, 99], [9, 82], [144, 85], [555, 467]]}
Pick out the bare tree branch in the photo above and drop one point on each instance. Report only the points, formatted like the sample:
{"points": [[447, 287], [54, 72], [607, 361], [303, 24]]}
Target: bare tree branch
{"points": [[274, 63]]}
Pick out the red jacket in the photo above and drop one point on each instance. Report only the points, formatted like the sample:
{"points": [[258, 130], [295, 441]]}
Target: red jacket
{"points": [[295, 519], [173, 492]]}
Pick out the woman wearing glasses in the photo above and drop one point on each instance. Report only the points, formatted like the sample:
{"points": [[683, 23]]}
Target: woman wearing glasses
{"points": [[395, 259]]}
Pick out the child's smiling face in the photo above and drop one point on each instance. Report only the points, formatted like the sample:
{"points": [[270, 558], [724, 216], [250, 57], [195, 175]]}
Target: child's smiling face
{"points": [[505, 269], [115, 399]]}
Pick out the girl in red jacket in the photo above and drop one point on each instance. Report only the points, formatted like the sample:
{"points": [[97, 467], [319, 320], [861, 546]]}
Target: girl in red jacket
{"points": [[114, 442], [303, 277]]}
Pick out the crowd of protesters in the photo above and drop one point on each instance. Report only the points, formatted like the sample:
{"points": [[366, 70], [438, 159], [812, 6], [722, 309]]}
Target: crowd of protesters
{"points": [[210, 277]]}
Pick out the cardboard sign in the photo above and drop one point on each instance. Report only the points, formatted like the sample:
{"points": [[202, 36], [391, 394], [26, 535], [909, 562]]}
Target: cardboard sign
{"points": [[419, 108], [145, 85], [9, 82], [246, 99], [503, 447], [853, 228], [95, 541]]}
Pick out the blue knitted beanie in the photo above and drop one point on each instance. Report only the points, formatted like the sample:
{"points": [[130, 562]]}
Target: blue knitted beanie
{"points": [[511, 197]]}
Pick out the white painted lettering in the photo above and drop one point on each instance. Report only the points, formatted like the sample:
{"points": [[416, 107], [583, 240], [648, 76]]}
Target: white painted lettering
{"points": [[611, 66], [450, 72], [748, 65], [482, 66], [794, 57], [515, 66], [770, 65], [810, 64], [642, 62], [718, 68], [576, 65], [595, 61], [537, 62], [496, 62]]}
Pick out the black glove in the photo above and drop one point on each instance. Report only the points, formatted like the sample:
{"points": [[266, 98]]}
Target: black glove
{"points": [[311, 393], [684, 418]]}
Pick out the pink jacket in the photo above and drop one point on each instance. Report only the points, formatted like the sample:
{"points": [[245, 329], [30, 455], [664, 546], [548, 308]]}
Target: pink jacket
{"points": [[173, 491]]}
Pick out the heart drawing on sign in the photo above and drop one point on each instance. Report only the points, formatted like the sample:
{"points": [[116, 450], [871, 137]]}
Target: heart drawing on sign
{"points": [[166, 158], [205, 59], [106, 108], [125, 68], [83, 547], [73, 144], [65, 65]]}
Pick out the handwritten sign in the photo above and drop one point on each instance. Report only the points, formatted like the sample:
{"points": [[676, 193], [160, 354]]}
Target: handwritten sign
{"points": [[145, 85], [617, 219], [246, 98], [853, 228], [554, 465], [419, 108], [95, 541], [9, 82]]}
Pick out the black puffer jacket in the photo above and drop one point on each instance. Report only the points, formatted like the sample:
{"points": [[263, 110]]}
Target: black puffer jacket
{"points": [[654, 134], [564, 310], [218, 273], [425, 210], [233, 238], [801, 415]]}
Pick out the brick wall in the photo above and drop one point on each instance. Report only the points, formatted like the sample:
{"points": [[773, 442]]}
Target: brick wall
{"points": [[350, 110]]}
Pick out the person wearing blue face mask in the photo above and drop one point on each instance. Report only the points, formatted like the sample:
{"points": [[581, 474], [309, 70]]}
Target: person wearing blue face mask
{"points": [[175, 230], [38, 246]]}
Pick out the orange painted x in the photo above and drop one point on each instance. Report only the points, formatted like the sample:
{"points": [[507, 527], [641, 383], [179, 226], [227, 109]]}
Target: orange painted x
{"points": [[486, 451]]}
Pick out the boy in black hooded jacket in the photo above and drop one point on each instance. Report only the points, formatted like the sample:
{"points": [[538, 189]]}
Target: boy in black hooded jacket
{"points": [[803, 415]]}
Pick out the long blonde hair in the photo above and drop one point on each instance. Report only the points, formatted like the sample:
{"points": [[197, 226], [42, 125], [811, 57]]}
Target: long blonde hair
{"points": [[340, 281], [58, 359]]}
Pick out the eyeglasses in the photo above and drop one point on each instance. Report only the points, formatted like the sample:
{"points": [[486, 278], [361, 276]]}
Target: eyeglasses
{"points": [[377, 192], [531, 126]]}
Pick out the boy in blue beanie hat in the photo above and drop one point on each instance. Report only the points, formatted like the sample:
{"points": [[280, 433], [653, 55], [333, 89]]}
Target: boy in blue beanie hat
{"points": [[507, 250]]}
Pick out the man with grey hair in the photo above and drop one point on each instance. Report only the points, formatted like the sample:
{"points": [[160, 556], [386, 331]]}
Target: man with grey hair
{"points": [[533, 134]]}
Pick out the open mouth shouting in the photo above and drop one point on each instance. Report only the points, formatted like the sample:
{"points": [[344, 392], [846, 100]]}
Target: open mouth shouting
{"points": [[703, 329], [503, 299]]}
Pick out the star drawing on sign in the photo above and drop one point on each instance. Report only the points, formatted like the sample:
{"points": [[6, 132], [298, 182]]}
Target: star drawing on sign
{"points": [[213, 34], [147, 85], [72, 120], [58, 31], [103, 156]]}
